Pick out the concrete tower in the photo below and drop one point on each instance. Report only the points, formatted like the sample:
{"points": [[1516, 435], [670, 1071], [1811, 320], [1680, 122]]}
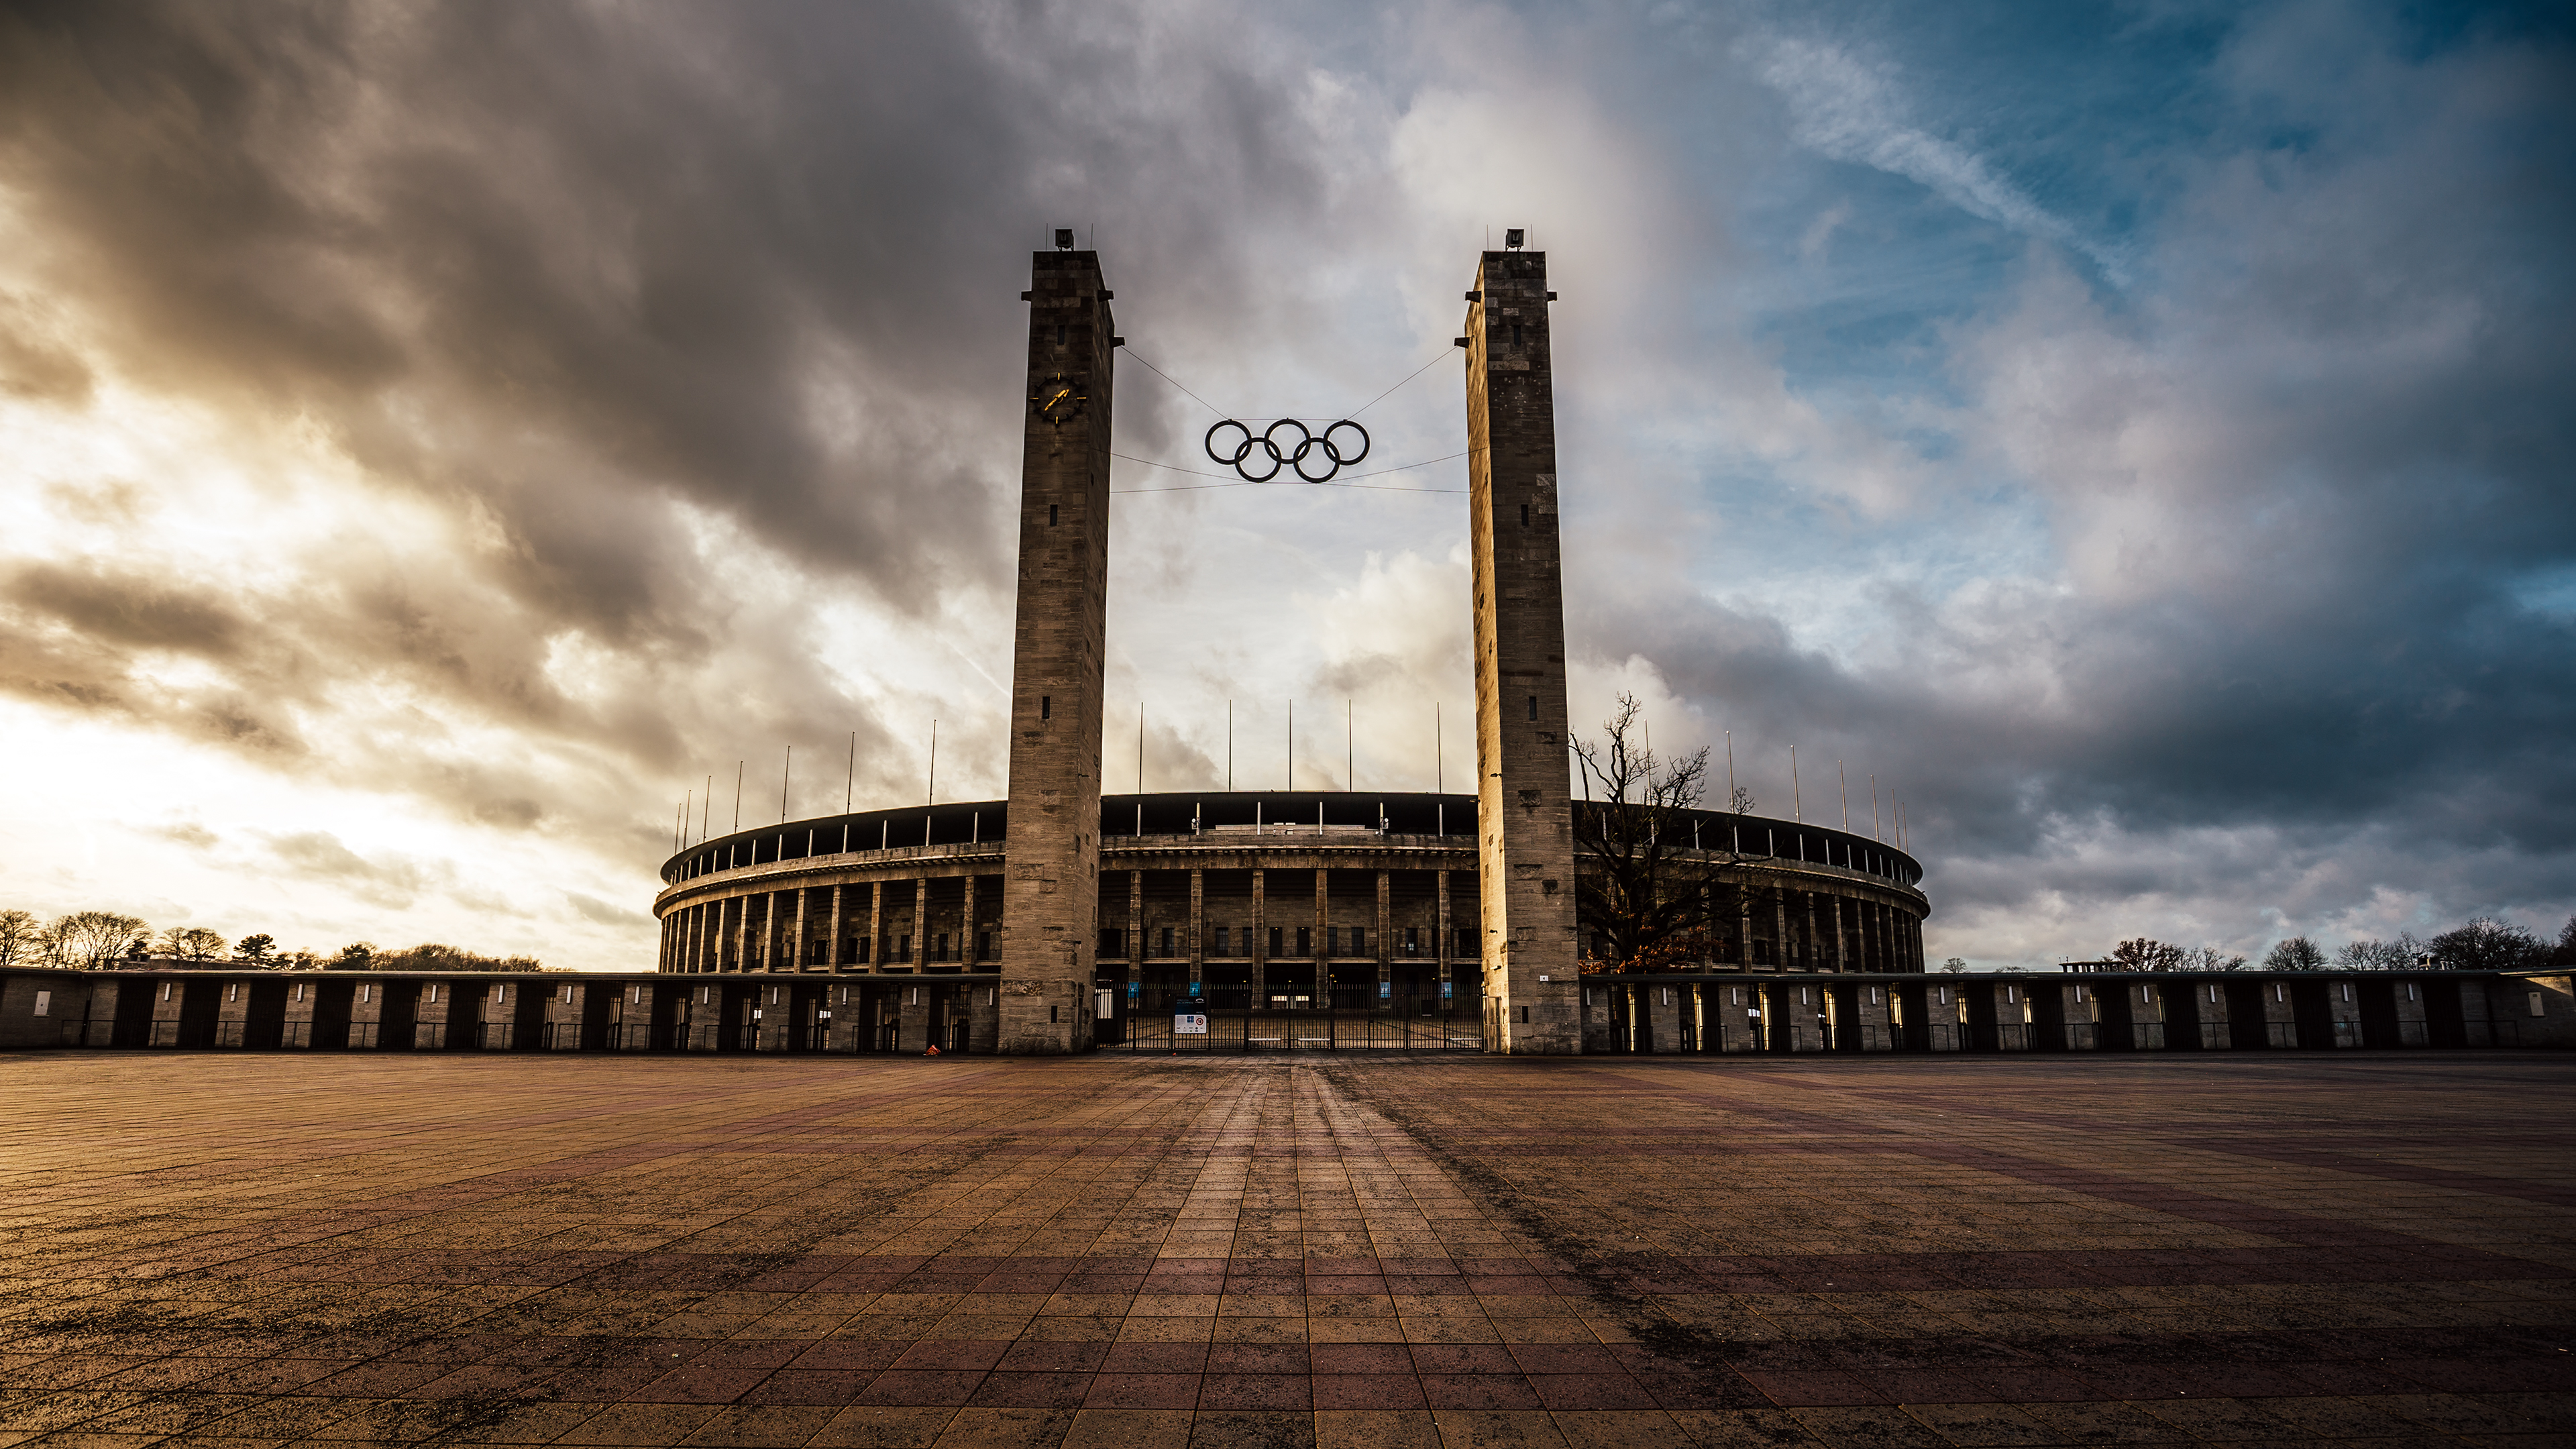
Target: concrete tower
{"points": [[1050, 897], [1524, 808]]}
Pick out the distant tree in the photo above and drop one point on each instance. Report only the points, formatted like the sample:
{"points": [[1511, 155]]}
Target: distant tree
{"points": [[356, 956], [2565, 953], [2295, 954], [2370, 954], [19, 937], [2147, 954], [91, 939], [256, 948], [196, 943], [1741, 803], [2209, 958], [1954, 965], [300, 960], [431, 956], [2485, 944]]}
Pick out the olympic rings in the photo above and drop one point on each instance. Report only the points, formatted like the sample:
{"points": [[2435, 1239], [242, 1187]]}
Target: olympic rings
{"points": [[1292, 457]]}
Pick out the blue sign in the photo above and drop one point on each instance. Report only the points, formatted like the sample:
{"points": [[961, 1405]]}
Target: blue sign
{"points": [[1385, 989], [1135, 989], [1444, 991]]}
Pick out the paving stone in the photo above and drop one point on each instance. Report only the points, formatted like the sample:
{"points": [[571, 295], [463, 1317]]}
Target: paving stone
{"points": [[1133, 1253]]}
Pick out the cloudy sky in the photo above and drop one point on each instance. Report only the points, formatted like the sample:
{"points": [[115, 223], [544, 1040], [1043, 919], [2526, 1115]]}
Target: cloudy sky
{"points": [[436, 437]]}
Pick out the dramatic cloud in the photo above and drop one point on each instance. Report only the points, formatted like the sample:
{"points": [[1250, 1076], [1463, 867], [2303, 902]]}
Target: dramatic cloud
{"points": [[442, 437]]}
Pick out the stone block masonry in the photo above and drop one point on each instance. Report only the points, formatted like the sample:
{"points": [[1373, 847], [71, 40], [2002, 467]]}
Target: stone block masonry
{"points": [[1050, 899], [1525, 809]]}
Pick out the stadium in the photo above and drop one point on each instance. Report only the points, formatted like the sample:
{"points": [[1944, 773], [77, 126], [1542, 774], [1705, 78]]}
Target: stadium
{"points": [[1061, 918]]}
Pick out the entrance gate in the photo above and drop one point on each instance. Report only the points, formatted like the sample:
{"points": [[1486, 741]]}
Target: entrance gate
{"points": [[1324, 1029]]}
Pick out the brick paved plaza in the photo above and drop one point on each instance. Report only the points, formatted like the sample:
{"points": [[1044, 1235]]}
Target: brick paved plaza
{"points": [[215, 1249]]}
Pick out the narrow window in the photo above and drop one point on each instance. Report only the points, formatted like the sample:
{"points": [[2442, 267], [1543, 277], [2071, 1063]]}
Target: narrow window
{"points": [[1413, 940], [1524, 515], [903, 948], [1533, 706], [1051, 1011], [1524, 1010], [1167, 940], [1274, 942], [1051, 514], [861, 953], [984, 946], [1359, 940], [1046, 706], [1059, 334], [1516, 334], [1220, 941], [1305, 940]]}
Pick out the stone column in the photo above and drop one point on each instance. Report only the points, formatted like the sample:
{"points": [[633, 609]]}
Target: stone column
{"points": [[1322, 955], [1051, 894], [1664, 1008], [966, 925], [803, 947], [1779, 932], [741, 932], [1136, 942], [832, 953], [1814, 958], [1198, 926], [1440, 931], [876, 927], [1525, 814], [1260, 940], [921, 923], [1385, 928]]}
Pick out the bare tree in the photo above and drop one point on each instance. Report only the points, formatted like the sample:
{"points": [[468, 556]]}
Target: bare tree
{"points": [[2209, 958], [2295, 954], [20, 938], [2368, 954], [2148, 954], [2486, 944], [1649, 890], [1954, 966], [196, 943], [91, 939]]}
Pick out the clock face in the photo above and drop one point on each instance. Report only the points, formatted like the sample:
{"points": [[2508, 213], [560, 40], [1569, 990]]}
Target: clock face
{"points": [[1058, 399]]}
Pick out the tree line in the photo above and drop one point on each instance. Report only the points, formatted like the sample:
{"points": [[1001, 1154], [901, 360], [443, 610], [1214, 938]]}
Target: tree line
{"points": [[98, 940], [2482, 944]]}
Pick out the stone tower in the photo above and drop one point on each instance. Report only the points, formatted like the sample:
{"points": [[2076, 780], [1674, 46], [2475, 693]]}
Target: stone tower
{"points": [[1524, 806], [1050, 896]]}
